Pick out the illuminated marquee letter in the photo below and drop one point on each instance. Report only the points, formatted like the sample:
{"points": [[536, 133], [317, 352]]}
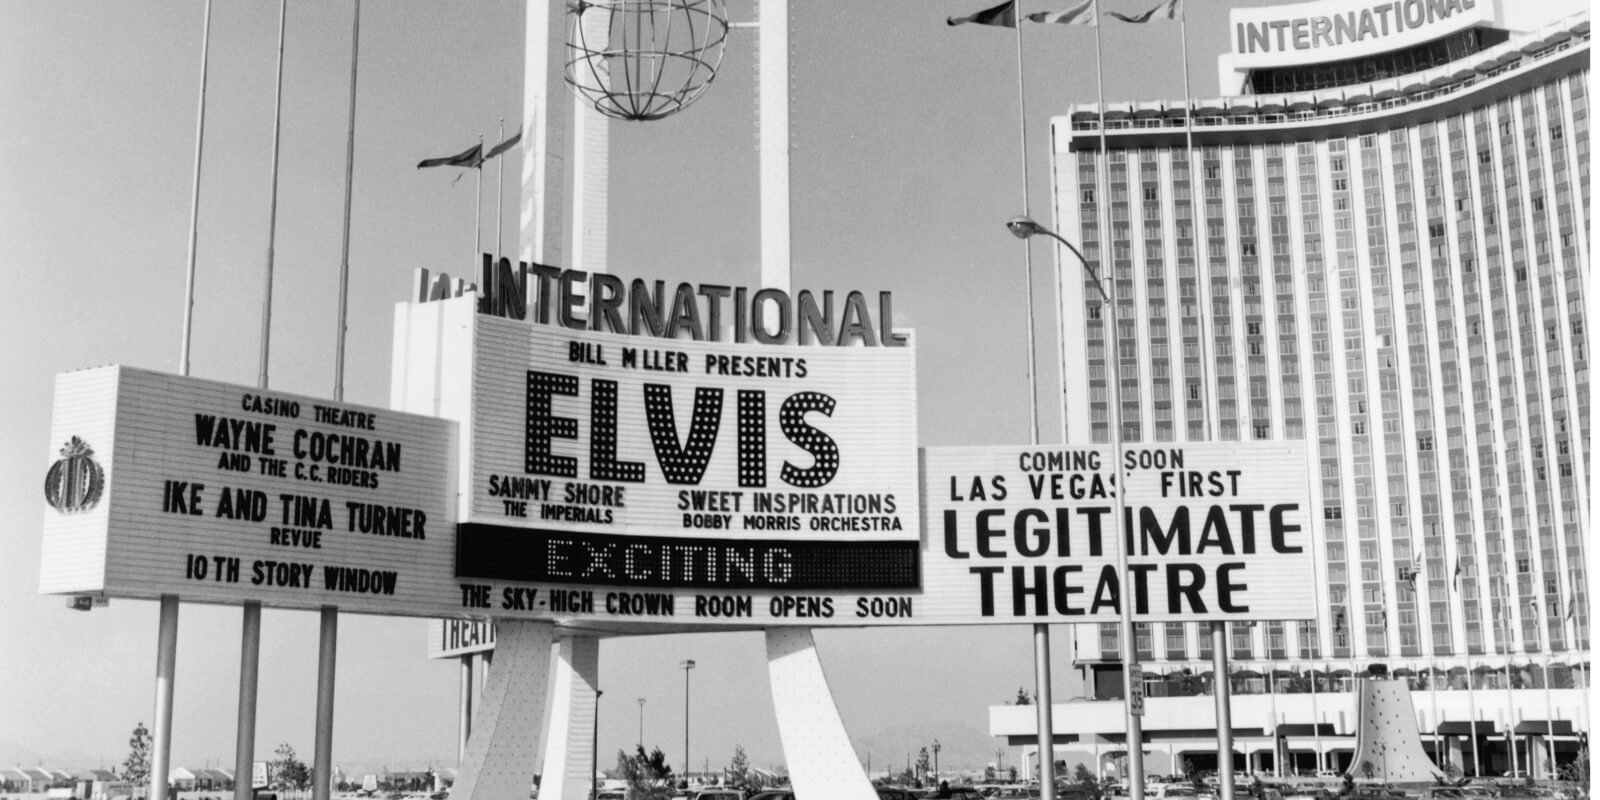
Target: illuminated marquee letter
{"points": [[542, 426], [824, 451], [683, 463]]}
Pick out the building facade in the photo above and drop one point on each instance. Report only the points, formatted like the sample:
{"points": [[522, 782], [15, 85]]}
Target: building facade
{"points": [[1380, 246]]}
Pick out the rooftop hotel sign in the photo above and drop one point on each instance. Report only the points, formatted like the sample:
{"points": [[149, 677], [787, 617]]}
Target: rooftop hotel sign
{"points": [[1334, 30]]}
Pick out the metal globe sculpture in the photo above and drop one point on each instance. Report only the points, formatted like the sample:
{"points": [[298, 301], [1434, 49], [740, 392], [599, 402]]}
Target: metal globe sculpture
{"points": [[644, 59]]}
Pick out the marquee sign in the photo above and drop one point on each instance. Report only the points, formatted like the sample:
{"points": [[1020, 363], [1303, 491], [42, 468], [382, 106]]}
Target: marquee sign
{"points": [[628, 461], [1334, 30], [222, 493], [1215, 531]]}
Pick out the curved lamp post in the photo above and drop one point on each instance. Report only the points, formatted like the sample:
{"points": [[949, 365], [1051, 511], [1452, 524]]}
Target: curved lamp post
{"points": [[1023, 227]]}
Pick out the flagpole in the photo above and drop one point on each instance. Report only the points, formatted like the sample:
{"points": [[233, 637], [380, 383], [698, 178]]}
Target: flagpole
{"points": [[167, 629], [349, 172], [499, 195], [477, 213], [250, 613], [272, 202], [1219, 649], [1041, 631], [1132, 715], [328, 638], [194, 207]]}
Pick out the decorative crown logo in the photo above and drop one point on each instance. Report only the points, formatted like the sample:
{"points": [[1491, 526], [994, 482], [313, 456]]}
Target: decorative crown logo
{"points": [[74, 483]]}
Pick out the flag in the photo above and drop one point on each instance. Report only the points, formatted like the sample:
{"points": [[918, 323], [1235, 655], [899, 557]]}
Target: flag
{"points": [[1572, 598], [1455, 581], [504, 146], [471, 157], [1081, 14], [1338, 622], [1169, 9], [1004, 15]]}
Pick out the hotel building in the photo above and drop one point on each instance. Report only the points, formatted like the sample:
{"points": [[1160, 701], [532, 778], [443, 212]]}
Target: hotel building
{"points": [[1377, 243]]}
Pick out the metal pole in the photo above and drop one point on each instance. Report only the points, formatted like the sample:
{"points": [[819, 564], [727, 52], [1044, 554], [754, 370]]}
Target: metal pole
{"points": [[594, 750], [1472, 708], [1316, 721], [194, 208], [166, 667], [1130, 660], [244, 748], [1222, 690], [250, 626], [1549, 720], [344, 251], [466, 709], [687, 665], [1041, 631], [641, 722], [477, 211], [499, 194], [327, 656], [1511, 720], [272, 203]]}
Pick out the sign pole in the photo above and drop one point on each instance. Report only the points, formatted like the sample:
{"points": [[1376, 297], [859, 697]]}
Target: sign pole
{"points": [[327, 657], [166, 666], [466, 708], [1222, 689], [244, 748]]}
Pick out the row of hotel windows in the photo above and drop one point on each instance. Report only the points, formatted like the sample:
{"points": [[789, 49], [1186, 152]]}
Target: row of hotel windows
{"points": [[1356, 330]]}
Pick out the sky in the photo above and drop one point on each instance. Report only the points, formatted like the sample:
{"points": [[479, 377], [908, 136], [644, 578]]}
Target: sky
{"points": [[905, 167]]}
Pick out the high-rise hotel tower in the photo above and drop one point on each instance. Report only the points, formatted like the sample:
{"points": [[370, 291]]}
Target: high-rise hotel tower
{"points": [[1379, 244]]}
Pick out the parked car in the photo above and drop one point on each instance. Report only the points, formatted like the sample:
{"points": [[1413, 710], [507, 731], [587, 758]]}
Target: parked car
{"points": [[717, 794], [1308, 791], [1166, 791], [891, 793], [774, 794]]}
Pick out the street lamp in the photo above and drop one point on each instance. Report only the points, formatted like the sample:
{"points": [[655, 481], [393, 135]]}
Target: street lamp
{"points": [[686, 666], [1023, 227], [936, 759], [641, 723], [594, 750]]}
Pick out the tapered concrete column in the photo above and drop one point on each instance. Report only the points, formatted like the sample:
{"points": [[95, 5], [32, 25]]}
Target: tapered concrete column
{"points": [[821, 761], [568, 761], [502, 754]]}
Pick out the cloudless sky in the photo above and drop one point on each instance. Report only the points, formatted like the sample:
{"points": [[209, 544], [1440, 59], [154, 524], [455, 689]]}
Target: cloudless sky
{"points": [[905, 166]]}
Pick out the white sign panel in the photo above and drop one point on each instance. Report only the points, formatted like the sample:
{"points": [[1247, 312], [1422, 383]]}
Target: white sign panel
{"points": [[223, 493], [601, 458], [1218, 531], [1334, 30]]}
